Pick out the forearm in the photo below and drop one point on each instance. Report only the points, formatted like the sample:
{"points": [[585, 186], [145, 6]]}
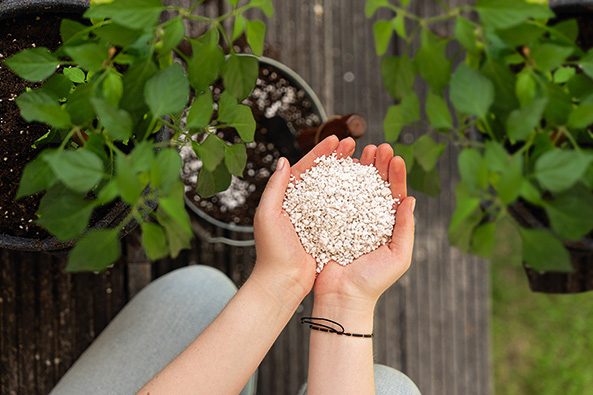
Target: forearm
{"points": [[223, 358], [339, 364]]}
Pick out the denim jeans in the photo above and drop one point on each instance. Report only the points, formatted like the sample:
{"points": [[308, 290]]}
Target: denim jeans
{"points": [[157, 325], [149, 332]]}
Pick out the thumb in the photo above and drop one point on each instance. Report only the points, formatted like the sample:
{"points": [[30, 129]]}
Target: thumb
{"points": [[402, 240], [274, 193]]}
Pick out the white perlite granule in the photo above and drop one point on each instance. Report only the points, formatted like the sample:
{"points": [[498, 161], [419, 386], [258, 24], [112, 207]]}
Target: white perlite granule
{"points": [[340, 210]]}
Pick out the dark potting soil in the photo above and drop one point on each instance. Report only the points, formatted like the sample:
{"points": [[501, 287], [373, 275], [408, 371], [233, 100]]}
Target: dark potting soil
{"points": [[277, 105], [16, 135]]}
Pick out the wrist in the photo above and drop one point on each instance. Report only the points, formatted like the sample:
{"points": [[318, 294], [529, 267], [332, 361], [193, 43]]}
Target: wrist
{"points": [[356, 316], [289, 290]]}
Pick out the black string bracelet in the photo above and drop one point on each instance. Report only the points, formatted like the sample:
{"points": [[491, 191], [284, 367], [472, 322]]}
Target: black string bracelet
{"points": [[328, 329]]}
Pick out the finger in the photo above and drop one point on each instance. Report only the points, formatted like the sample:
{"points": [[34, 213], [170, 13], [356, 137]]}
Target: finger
{"points": [[345, 148], [383, 156], [368, 155], [274, 193], [325, 147], [397, 178], [402, 239]]}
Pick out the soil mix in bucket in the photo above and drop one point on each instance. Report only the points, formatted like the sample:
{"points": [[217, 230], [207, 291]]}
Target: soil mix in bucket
{"points": [[16, 135], [281, 112]]}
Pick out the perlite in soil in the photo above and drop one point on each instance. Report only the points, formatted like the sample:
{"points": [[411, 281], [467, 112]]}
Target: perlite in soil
{"points": [[340, 210]]}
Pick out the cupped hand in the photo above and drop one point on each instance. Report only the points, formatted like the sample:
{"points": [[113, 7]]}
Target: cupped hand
{"points": [[361, 283], [280, 256]]}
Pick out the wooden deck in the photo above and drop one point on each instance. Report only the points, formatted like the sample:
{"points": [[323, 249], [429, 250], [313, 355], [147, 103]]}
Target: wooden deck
{"points": [[433, 324]]}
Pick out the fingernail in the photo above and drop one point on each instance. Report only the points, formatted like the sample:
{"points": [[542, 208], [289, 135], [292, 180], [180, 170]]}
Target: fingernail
{"points": [[413, 205], [280, 164]]}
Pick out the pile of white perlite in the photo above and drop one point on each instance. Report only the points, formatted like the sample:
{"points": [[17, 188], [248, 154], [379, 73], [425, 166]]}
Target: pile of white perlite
{"points": [[340, 209]]}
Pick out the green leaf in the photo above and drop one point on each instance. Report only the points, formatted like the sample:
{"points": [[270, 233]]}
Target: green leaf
{"points": [[438, 111], [496, 156], [586, 63], [465, 33], [40, 106], [473, 169], [571, 213], [523, 121], [401, 115], [113, 88], [525, 88], [57, 85], [559, 105], [227, 107], [174, 205], [549, 56], [127, 181], [142, 156], [134, 82], [75, 74], [256, 32], [80, 170], [266, 6], [399, 25], [382, 31], [521, 35], [581, 117], [544, 252], [210, 183], [201, 111], [154, 241], [508, 245], [238, 27], [423, 181], [69, 29], [33, 64], [96, 251], [173, 33], [167, 92], [135, 14], [558, 170], [205, 65], [427, 152], [235, 159], [117, 123], [406, 152], [483, 240], [398, 75], [233, 3], [373, 5], [530, 193], [244, 123], [465, 218], [239, 74], [563, 74], [505, 81], [471, 92], [165, 169], [79, 106], [115, 34], [37, 177], [211, 152], [65, 214], [88, 56], [511, 180], [502, 14], [433, 65], [178, 238]]}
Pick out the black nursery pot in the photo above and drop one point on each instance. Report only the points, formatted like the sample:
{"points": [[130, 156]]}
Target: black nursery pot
{"points": [[581, 252], [275, 136], [12, 14]]}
